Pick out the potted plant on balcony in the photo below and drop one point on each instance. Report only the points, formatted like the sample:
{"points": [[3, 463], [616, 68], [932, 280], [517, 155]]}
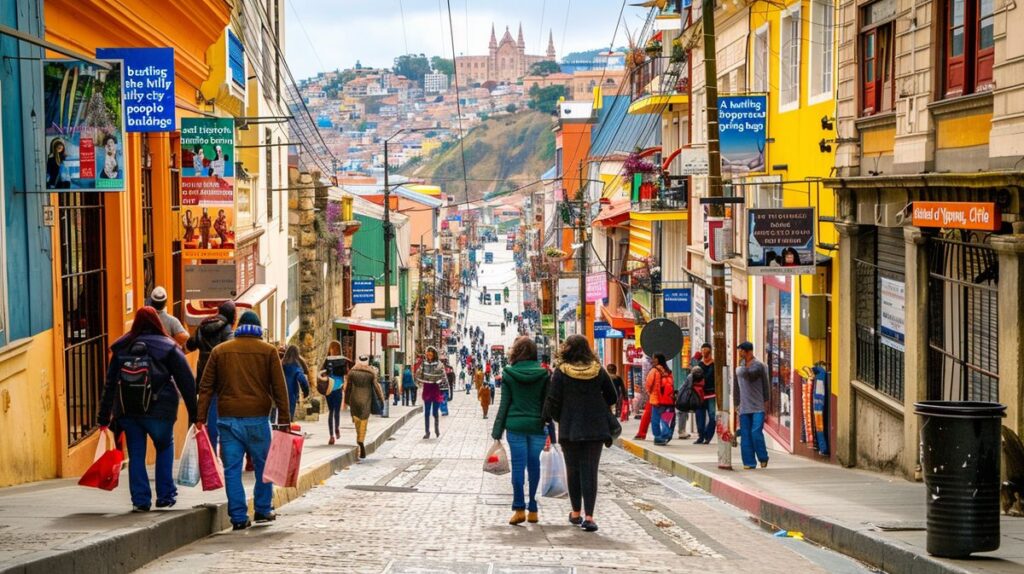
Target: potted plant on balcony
{"points": [[653, 48], [678, 53]]}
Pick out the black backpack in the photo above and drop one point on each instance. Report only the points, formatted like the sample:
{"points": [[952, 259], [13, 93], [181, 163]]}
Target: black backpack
{"points": [[687, 399], [139, 371]]}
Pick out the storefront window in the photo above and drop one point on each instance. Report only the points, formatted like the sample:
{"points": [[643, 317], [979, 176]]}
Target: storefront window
{"points": [[778, 338]]}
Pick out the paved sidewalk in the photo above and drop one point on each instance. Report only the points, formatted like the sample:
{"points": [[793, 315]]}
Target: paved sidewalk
{"points": [[58, 526], [876, 518]]}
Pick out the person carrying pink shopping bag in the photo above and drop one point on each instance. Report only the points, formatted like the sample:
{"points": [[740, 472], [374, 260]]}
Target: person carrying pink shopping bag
{"points": [[284, 459]]}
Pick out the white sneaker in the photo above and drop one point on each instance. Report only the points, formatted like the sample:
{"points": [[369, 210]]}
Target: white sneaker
{"points": [[684, 436]]}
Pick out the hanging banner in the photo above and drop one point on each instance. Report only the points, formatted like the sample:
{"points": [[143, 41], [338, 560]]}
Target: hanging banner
{"points": [[780, 241], [208, 187], [568, 300], [698, 334], [83, 126], [742, 130], [597, 287], [148, 87], [364, 291], [678, 300]]}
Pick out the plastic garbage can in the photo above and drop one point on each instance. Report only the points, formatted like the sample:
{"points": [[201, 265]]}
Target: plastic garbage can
{"points": [[960, 450]]}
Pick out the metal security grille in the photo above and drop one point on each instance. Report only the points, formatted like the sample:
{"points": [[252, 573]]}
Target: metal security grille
{"points": [[148, 250], [963, 318], [879, 359], [83, 284]]}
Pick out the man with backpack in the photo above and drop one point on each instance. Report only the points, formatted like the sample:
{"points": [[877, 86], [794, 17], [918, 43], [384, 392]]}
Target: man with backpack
{"points": [[247, 375], [210, 333], [661, 390], [688, 398]]}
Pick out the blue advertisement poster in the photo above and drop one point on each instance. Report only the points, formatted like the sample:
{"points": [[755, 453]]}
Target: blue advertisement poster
{"points": [[363, 291], [148, 87], [742, 126], [82, 125], [678, 300]]}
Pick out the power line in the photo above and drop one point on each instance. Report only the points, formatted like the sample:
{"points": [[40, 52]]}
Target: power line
{"points": [[458, 102], [405, 35]]}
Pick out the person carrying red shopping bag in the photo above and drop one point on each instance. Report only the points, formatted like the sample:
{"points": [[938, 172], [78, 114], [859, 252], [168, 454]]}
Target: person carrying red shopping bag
{"points": [[248, 379], [147, 373]]}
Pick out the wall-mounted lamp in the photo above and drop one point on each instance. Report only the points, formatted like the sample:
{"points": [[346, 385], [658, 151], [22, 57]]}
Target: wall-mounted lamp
{"points": [[828, 123], [824, 145]]}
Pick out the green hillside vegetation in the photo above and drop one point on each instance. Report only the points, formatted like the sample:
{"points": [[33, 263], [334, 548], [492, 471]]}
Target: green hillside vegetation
{"points": [[515, 149]]}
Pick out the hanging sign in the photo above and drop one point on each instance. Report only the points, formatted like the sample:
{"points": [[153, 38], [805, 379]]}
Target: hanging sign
{"points": [[693, 161], [678, 300], [148, 87], [781, 241], [892, 315], [212, 282], [568, 300], [208, 187], [597, 287], [956, 215], [83, 126], [742, 130], [364, 291]]}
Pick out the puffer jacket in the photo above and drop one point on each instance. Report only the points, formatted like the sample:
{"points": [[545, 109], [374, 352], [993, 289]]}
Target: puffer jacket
{"points": [[579, 398], [210, 333], [176, 379]]}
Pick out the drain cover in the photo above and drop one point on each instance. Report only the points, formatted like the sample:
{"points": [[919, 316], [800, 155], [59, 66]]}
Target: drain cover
{"points": [[376, 488]]}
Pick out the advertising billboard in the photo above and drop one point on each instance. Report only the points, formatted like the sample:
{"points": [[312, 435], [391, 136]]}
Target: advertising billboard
{"points": [[208, 187], [780, 241], [742, 129]]}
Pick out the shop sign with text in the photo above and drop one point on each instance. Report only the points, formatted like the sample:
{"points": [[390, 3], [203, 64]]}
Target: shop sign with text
{"points": [[208, 187], [148, 87], [781, 241], [956, 215]]}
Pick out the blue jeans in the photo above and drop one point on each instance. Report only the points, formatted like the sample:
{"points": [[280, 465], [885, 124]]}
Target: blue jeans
{"points": [[752, 439], [429, 406], [524, 451], [661, 429], [240, 436], [706, 421], [136, 431], [211, 422]]}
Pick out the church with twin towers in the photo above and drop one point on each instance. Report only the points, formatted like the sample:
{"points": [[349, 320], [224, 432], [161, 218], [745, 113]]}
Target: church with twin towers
{"points": [[506, 61]]}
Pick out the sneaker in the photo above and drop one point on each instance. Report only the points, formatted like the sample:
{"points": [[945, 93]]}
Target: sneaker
{"points": [[331, 441], [241, 525], [699, 441], [684, 435], [660, 443], [589, 526], [426, 435], [575, 521], [638, 437], [764, 464], [262, 518], [745, 467], [166, 503], [140, 508]]}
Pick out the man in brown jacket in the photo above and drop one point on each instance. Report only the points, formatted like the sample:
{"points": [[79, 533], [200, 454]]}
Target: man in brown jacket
{"points": [[246, 376]]}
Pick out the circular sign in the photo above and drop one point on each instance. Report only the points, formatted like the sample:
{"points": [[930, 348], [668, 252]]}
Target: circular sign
{"points": [[662, 336]]}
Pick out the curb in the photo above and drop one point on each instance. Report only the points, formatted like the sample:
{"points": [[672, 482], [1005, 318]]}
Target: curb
{"points": [[130, 549], [776, 513]]}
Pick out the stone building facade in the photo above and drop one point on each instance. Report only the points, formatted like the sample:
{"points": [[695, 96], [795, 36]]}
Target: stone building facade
{"points": [[506, 61]]}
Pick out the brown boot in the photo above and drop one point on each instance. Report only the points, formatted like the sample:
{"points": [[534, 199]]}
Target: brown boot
{"points": [[518, 517], [532, 517]]}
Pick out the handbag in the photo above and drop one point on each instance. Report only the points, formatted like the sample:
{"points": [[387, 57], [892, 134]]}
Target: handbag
{"points": [[614, 427], [106, 468], [376, 405]]}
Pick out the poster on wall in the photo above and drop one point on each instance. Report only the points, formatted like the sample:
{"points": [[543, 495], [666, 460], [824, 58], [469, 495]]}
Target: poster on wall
{"points": [[83, 126], [148, 87], [742, 125], [568, 300], [892, 307], [597, 286], [208, 187], [697, 332], [780, 241]]}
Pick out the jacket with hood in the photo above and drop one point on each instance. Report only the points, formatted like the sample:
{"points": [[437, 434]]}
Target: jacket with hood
{"points": [[178, 380], [210, 333], [524, 386], [579, 398], [362, 383]]}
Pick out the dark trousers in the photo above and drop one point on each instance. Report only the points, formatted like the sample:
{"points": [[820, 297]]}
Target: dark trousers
{"points": [[408, 397], [581, 461]]}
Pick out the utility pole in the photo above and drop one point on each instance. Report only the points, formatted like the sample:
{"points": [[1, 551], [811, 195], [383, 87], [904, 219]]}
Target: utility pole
{"points": [[716, 210], [581, 221], [386, 378]]}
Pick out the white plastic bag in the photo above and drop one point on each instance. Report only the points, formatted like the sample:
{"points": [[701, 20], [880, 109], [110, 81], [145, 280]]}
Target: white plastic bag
{"points": [[188, 467], [553, 482], [496, 461]]}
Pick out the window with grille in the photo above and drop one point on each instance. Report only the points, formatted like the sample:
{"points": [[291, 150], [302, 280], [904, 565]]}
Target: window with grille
{"points": [[83, 286], [148, 243], [822, 33], [789, 58], [879, 273]]}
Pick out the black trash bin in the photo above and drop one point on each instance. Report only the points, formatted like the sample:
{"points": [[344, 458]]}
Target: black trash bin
{"points": [[960, 449]]}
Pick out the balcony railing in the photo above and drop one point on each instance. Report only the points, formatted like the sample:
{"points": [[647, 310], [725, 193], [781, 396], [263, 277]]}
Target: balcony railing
{"points": [[659, 75], [653, 197]]}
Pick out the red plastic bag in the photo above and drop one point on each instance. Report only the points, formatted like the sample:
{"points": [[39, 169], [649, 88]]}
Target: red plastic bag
{"points": [[106, 469], [210, 470], [284, 459], [496, 460]]}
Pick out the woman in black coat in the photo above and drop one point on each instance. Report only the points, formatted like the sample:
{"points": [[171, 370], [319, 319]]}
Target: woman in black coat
{"points": [[579, 398]]}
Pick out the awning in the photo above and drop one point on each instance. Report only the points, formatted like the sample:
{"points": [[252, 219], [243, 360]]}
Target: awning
{"points": [[255, 295], [369, 325], [615, 214], [657, 104], [639, 237], [619, 318]]}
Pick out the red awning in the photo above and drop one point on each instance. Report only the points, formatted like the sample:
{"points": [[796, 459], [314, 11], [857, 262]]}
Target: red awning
{"points": [[618, 318], [614, 214]]}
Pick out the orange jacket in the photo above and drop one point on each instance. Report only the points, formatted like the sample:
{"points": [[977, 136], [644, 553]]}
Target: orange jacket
{"points": [[657, 378]]}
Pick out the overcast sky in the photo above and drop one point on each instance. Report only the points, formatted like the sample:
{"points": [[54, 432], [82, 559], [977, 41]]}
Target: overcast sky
{"points": [[329, 34]]}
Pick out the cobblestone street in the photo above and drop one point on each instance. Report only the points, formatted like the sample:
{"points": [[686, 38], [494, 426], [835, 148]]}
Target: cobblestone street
{"points": [[425, 506]]}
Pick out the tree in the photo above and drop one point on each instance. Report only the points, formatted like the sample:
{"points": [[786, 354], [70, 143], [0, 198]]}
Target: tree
{"points": [[412, 66], [443, 66], [543, 68], [511, 108], [545, 99]]}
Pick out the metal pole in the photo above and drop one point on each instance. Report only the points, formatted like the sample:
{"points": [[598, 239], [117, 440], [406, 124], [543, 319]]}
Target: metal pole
{"points": [[583, 256], [387, 267], [716, 210]]}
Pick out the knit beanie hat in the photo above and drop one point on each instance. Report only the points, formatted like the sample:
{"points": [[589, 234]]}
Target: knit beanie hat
{"points": [[249, 318]]}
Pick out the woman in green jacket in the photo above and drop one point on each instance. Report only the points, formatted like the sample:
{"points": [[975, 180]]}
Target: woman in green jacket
{"points": [[523, 390]]}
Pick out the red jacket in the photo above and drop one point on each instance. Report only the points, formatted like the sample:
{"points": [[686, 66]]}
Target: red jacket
{"points": [[657, 385]]}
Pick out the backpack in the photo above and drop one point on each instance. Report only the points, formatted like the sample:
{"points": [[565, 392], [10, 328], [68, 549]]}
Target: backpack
{"points": [[666, 387], [688, 399], [139, 370]]}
